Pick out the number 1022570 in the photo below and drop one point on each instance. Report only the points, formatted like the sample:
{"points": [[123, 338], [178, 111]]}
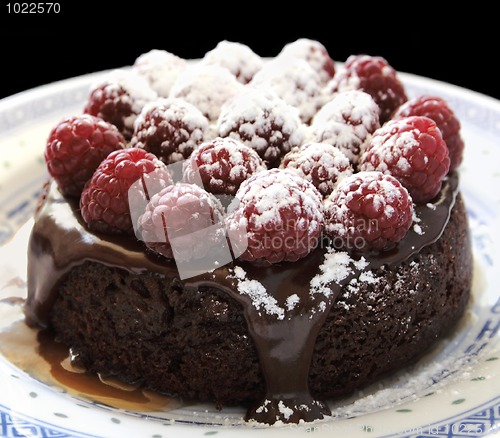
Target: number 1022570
{"points": [[33, 8]]}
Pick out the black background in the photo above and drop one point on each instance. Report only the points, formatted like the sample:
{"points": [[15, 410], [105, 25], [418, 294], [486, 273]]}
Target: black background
{"points": [[88, 37]]}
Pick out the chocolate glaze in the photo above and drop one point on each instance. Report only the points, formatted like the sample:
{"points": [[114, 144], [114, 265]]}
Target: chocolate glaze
{"points": [[59, 241]]}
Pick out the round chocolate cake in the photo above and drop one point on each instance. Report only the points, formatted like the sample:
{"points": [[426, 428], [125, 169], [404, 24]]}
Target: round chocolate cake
{"points": [[362, 281]]}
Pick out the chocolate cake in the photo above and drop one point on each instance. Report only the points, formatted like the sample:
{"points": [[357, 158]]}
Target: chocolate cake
{"points": [[279, 330]]}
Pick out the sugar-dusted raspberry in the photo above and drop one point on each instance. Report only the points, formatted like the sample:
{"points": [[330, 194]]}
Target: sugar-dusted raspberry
{"points": [[347, 122], [295, 81], [118, 98], [222, 165], [412, 150], [314, 53], [368, 211], [262, 120], [160, 68], [320, 163], [238, 58], [76, 146], [170, 128], [438, 110], [206, 87], [279, 217], [181, 222], [104, 202], [375, 76]]}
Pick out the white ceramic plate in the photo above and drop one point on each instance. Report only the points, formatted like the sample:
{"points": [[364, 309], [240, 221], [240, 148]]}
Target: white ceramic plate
{"points": [[454, 391]]}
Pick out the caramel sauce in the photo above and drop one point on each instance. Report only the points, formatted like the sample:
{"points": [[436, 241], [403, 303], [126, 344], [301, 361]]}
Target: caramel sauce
{"points": [[89, 384], [37, 353]]}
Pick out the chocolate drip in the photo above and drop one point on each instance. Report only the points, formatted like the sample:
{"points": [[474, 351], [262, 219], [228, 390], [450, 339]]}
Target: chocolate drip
{"points": [[285, 345], [284, 342], [285, 353]]}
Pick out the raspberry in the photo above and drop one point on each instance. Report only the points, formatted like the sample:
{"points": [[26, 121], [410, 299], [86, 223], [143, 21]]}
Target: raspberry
{"points": [[119, 98], [238, 58], [296, 82], [76, 146], [223, 164], [104, 202], [347, 122], [320, 163], [375, 76], [160, 68], [438, 110], [179, 222], [368, 211], [262, 120], [279, 217], [170, 128], [411, 149], [314, 53], [206, 87]]}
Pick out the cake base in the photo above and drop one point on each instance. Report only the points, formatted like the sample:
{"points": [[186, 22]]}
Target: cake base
{"points": [[194, 342]]}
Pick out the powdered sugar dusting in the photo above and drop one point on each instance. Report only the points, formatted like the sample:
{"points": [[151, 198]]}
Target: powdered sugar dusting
{"points": [[368, 277], [261, 300], [223, 163], [136, 87], [295, 81], [278, 190], [385, 192], [292, 301], [207, 87], [416, 223], [320, 163], [239, 272], [334, 269], [347, 122], [238, 58], [130, 89], [418, 229], [263, 407], [391, 148], [279, 217], [263, 121], [161, 69], [314, 53], [285, 410], [360, 264], [338, 266], [172, 110], [185, 125]]}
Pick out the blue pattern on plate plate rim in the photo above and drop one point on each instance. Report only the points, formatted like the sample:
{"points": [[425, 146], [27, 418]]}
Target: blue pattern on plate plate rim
{"points": [[19, 207], [15, 425]]}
